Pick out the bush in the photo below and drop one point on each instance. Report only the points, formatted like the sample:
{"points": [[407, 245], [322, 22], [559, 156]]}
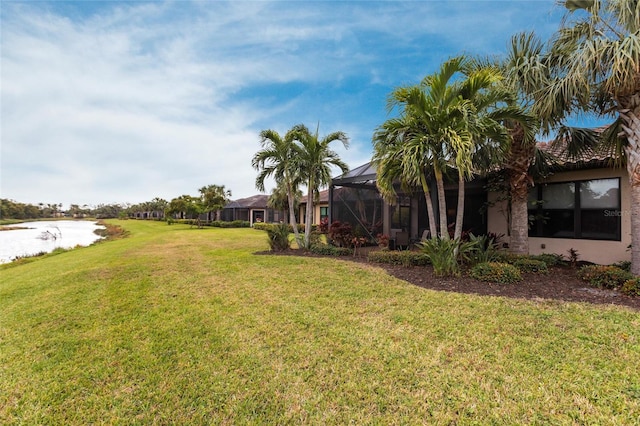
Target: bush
{"points": [[402, 257], [341, 233], [551, 259], [446, 255], [603, 276], [496, 272], [484, 249], [625, 265], [531, 265], [262, 226], [233, 224], [278, 237], [329, 250], [631, 287]]}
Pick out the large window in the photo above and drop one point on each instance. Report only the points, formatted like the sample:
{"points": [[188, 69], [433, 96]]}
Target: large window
{"points": [[401, 214], [587, 209], [324, 213]]}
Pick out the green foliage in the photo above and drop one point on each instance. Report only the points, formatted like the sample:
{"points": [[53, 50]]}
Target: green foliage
{"points": [[531, 265], [329, 250], [604, 276], [278, 237], [631, 287], [496, 272], [232, 224], [446, 255], [399, 257], [625, 265], [484, 249], [551, 259]]}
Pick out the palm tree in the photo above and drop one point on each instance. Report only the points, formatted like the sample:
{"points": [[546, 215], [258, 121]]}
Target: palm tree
{"points": [[277, 158], [314, 163], [596, 59], [279, 200], [442, 123]]}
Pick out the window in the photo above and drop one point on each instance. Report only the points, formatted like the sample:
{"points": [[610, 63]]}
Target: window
{"points": [[587, 209], [401, 214], [324, 213]]}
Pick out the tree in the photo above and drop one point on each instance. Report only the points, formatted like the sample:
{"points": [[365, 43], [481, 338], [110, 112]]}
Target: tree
{"points": [[279, 200], [443, 122], [596, 64], [213, 197], [314, 162], [192, 207], [277, 159]]}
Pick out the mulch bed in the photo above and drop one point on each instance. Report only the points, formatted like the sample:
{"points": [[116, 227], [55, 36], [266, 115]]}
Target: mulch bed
{"points": [[560, 283]]}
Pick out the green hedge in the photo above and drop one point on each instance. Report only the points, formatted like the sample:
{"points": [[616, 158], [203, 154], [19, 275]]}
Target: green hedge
{"points": [[531, 265], [604, 276], [496, 272], [631, 287], [328, 250], [399, 257]]}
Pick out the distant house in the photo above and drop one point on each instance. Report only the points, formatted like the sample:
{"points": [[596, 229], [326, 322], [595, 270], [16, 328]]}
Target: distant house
{"points": [[320, 208], [252, 209], [584, 205]]}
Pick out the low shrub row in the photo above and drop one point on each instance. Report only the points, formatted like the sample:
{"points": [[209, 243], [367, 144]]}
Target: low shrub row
{"points": [[262, 226], [329, 250], [402, 257], [496, 272], [604, 276]]}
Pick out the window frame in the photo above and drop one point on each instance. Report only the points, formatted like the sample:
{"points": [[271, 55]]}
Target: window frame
{"points": [[537, 230]]}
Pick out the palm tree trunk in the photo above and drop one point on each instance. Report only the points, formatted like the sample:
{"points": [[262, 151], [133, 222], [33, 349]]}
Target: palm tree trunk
{"points": [[631, 128], [430, 214], [292, 215], [457, 234], [518, 163], [309, 216], [442, 206]]}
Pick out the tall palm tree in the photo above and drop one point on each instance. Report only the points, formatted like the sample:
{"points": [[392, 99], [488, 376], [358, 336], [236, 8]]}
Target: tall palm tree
{"points": [[596, 58], [314, 161], [442, 123], [277, 158]]}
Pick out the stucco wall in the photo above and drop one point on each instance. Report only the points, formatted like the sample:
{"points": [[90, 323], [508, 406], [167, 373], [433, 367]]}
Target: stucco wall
{"points": [[602, 252]]}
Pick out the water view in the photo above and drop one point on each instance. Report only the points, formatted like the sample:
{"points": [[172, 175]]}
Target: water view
{"points": [[45, 236]]}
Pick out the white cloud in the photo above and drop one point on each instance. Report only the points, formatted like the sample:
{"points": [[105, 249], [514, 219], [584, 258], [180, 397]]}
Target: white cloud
{"points": [[112, 102]]}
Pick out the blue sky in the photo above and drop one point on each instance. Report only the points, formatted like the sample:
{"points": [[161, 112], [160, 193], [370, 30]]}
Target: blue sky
{"points": [[121, 102]]}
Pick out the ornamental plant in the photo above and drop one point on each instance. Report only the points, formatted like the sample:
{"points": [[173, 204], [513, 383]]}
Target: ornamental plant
{"points": [[496, 272]]}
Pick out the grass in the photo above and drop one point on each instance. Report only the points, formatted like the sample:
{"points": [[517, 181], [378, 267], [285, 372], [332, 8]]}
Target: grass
{"points": [[188, 326]]}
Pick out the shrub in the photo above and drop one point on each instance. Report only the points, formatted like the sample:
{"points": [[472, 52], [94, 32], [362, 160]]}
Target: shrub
{"points": [[531, 265], [496, 272], [278, 237], [604, 276], [262, 226], [401, 257], [625, 265], [508, 257], [341, 233], [446, 255], [551, 259], [329, 250], [631, 287], [484, 249]]}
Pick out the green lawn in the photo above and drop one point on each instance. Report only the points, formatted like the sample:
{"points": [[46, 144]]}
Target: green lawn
{"points": [[179, 325]]}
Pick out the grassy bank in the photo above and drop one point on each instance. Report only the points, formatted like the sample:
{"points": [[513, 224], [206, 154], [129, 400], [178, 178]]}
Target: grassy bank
{"points": [[182, 325]]}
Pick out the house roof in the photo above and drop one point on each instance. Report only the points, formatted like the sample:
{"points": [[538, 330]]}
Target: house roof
{"points": [[323, 197], [254, 202]]}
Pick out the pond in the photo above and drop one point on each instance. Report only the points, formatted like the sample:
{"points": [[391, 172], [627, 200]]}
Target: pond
{"points": [[45, 236]]}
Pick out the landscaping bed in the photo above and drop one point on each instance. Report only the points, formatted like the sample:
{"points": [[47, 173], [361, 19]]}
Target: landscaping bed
{"points": [[561, 283]]}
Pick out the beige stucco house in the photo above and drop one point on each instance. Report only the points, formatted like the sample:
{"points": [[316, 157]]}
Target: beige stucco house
{"points": [[583, 205]]}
